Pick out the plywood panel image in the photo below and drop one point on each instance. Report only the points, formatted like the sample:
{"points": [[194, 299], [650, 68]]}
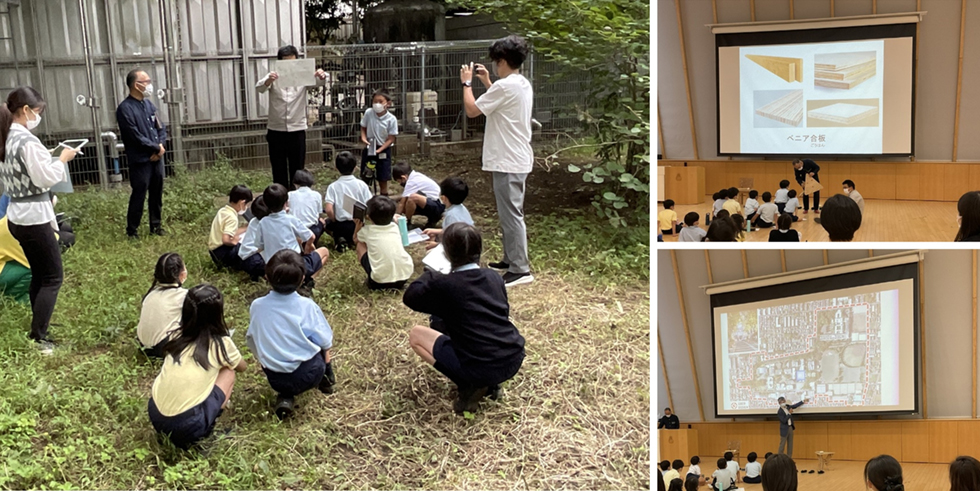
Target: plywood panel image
{"points": [[788, 69], [841, 113], [843, 70], [787, 109]]}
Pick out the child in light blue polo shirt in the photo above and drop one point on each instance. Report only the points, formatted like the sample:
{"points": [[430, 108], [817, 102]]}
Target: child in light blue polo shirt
{"points": [[453, 191], [281, 230], [304, 203], [289, 335]]}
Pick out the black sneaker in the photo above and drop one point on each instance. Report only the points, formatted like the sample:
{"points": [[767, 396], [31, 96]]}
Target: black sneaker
{"points": [[341, 245], [499, 266], [328, 381], [158, 231], [469, 400], [494, 392], [133, 236], [284, 407], [514, 279]]}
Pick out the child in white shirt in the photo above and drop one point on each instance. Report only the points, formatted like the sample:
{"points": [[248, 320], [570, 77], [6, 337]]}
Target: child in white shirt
{"points": [[304, 203], [782, 195], [792, 205], [753, 470], [691, 231], [751, 207]]}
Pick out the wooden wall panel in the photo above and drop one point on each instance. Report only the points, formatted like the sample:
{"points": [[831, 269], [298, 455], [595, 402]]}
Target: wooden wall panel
{"points": [[912, 440], [915, 443], [957, 181], [931, 181], [907, 181], [915, 181], [943, 445], [873, 179]]}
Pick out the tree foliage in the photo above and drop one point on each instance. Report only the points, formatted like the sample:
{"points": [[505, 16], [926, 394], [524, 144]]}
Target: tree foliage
{"points": [[326, 16], [609, 39]]}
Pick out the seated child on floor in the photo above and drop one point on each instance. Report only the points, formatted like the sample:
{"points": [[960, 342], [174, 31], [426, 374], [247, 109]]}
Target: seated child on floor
{"points": [[792, 205], [225, 232], [252, 263], [667, 219], [471, 338], [723, 479], [304, 203], [339, 223], [280, 230], [421, 195], [767, 212], [751, 205], [753, 470], [198, 371], [454, 191], [379, 246], [691, 231], [782, 195], [289, 335], [162, 304]]}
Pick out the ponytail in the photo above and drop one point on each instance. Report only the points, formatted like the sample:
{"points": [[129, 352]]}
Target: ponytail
{"points": [[6, 119], [18, 98], [167, 272]]}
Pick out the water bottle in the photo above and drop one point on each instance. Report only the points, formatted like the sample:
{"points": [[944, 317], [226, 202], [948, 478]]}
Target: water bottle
{"points": [[403, 228]]}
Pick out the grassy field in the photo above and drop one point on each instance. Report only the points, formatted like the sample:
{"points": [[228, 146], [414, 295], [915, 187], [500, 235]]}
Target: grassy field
{"points": [[576, 416]]}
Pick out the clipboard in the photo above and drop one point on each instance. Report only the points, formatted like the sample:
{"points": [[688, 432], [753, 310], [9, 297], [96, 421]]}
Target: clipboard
{"points": [[811, 185]]}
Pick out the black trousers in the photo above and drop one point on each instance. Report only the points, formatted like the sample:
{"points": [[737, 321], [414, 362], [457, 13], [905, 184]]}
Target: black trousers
{"points": [[44, 257], [816, 201], [287, 151], [341, 230], [143, 177]]}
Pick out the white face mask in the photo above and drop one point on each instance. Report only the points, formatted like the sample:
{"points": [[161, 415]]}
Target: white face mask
{"points": [[32, 123], [847, 191], [241, 212], [148, 90], [378, 108]]}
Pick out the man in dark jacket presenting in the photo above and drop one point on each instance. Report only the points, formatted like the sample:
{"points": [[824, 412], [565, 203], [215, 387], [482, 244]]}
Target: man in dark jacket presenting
{"points": [[669, 421], [786, 426], [143, 135], [802, 168]]}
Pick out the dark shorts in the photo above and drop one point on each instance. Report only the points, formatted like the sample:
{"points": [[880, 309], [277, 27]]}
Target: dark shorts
{"points": [[306, 376], [317, 229], [433, 210], [448, 364], [373, 285], [313, 263], [226, 256], [341, 230], [254, 266], [192, 425], [752, 480], [382, 164]]}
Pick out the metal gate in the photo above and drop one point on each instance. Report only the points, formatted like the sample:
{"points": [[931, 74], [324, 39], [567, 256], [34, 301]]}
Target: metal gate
{"points": [[205, 57]]}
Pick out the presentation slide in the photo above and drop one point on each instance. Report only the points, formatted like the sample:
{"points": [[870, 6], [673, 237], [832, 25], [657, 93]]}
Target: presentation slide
{"points": [[847, 351], [830, 98]]}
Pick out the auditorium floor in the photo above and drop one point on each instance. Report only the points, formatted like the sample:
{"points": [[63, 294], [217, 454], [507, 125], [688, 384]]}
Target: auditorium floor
{"points": [[883, 221], [848, 476]]}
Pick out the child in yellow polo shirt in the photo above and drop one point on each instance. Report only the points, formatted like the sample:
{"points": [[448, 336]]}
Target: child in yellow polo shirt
{"points": [[225, 230]]}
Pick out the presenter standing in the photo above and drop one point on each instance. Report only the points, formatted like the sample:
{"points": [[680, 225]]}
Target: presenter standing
{"points": [[669, 421], [786, 426], [803, 168]]}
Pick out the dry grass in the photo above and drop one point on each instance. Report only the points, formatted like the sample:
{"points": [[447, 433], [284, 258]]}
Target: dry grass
{"points": [[575, 417]]}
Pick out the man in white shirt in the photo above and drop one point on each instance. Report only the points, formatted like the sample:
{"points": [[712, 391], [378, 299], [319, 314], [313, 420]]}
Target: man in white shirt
{"points": [[507, 152], [287, 121], [854, 194]]}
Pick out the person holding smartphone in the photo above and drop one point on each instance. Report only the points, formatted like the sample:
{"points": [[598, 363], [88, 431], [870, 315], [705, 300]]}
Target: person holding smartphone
{"points": [[507, 152], [27, 171]]}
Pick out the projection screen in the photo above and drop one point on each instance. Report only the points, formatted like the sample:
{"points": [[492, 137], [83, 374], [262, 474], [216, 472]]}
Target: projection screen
{"points": [[846, 342]]}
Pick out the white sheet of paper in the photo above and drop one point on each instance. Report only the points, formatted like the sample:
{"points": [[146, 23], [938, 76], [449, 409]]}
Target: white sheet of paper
{"points": [[349, 203], [416, 235], [436, 260], [296, 73]]}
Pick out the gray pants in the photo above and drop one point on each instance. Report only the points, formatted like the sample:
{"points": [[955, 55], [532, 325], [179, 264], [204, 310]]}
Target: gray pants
{"points": [[509, 190], [787, 441]]}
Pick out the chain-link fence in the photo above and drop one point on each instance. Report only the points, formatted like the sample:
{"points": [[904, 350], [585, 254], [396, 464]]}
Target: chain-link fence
{"points": [[223, 115]]}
